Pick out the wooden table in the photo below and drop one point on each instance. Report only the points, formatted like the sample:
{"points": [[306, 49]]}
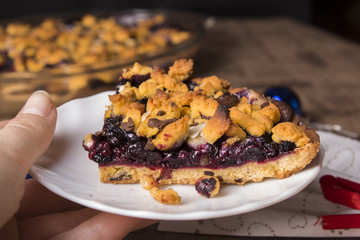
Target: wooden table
{"points": [[323, 69]]}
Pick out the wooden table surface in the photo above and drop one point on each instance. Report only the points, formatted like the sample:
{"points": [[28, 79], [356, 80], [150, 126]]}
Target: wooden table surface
{"points": [[323, 69]]}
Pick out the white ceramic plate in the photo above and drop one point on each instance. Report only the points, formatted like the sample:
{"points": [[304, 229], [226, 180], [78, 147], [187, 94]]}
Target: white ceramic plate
{"points": [[66, 170]]}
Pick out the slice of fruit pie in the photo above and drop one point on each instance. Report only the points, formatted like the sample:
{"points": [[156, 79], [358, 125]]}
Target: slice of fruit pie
{"points": [[170, 128]]}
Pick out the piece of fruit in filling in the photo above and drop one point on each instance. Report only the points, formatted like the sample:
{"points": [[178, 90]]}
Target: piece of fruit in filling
{"points": [[207, 186]]}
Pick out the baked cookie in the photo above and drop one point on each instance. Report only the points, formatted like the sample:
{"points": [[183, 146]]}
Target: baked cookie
{"points": [[201, 131]]}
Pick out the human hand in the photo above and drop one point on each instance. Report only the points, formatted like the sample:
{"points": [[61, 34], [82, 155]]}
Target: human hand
{"points": [[30, 211]]}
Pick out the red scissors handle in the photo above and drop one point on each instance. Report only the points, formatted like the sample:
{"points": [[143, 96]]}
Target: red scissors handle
{"points": [[344, 192]]}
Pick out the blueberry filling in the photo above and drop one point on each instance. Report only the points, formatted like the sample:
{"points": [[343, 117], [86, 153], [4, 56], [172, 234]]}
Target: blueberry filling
{"points": [[114, 145]]}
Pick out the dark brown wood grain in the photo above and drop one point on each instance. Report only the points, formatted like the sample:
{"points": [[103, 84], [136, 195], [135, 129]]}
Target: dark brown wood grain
{"points": [[323, 69]]}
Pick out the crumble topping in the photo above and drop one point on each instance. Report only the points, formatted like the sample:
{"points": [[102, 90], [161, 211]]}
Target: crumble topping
{"points": [[288, 131], [174, 102], [137, 69], [173, 135], [181, 70], [217, 125], [54, 42], [212, 86]]}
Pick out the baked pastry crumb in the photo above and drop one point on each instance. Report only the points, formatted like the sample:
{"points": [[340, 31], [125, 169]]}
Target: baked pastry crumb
{"points": [[168, 196]]}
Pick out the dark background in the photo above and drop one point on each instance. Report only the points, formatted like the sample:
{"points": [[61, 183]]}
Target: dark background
{"points": [[340, 17]]}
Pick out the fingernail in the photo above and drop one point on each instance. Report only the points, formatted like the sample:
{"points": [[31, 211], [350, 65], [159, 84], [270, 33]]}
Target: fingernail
{"points": [[39, 103]]}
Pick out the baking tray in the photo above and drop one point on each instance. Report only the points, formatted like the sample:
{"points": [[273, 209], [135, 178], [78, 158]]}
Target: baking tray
{"points": [[73, 80]]}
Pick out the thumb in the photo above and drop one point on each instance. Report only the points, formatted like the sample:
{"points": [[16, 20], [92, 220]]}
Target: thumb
{"points": [[29, 134], [22, 140]]}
